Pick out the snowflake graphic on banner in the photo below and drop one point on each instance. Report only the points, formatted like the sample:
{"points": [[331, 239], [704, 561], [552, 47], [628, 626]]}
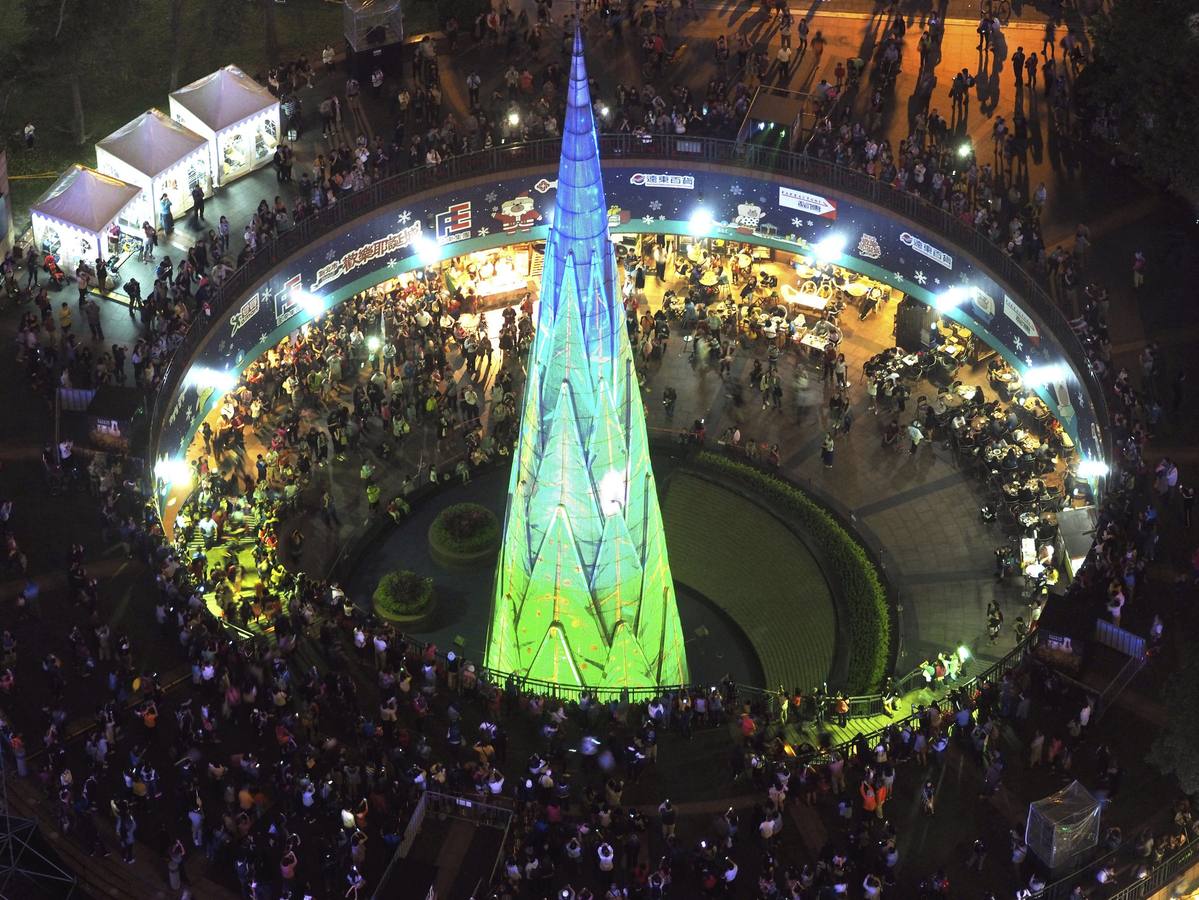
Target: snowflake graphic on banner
{"points": [[898, 277], [484, 231], [404, 217], [655, 205], [735, 190], [490, 197], [648, 220], [868, 247], [796, 222], [392, 261], [936, 280], [330, 256], [1018, 344], [811, 224], [920, 277], [661, 218]]}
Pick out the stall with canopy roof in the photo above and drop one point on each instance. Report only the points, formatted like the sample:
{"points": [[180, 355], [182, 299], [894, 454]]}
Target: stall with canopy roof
{"points": [[236, 115], [84, 215], [161, 157]]}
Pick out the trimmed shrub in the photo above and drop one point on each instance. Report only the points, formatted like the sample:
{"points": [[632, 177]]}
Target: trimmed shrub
{"points": [[465, 528], [403, 594], [866, 604]]}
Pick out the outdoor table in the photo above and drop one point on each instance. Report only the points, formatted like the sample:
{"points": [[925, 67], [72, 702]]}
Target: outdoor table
{"points": [[812, 301], [857, 289], [815, 342], [709, 279]]}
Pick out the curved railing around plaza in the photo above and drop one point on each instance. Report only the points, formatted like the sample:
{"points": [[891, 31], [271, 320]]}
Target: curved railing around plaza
{"points": [[620, 147]]}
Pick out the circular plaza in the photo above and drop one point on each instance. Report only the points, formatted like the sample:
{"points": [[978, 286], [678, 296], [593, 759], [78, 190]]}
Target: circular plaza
{"points": [[620, 500]]}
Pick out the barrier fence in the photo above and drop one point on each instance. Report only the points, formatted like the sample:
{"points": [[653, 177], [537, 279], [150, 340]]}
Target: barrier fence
{"points": [[626, 147]]}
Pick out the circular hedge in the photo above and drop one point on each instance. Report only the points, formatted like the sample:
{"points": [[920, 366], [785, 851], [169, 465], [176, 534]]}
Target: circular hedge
{"points": [[403, 596], [867, 607], [464, 533]]}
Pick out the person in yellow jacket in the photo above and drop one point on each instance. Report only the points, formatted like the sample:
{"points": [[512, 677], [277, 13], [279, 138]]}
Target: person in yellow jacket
{"points": [[64, 318]]}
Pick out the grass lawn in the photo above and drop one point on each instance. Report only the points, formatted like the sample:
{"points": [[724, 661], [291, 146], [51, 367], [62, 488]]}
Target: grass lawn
{"points": [[135, 75]]}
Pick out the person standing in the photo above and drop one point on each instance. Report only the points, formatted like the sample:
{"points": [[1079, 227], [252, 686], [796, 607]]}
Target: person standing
{"points": [[826, 450], [1018, 67], [197, 204], [165, 217], [91, 311], [101, 274]]}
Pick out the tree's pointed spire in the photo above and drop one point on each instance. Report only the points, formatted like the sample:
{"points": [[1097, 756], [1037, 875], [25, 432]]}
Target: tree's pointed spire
{"points": [[580, 225]]}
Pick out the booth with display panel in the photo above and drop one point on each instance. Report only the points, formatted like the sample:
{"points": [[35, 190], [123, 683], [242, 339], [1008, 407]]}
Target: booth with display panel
{"points": [[160, 156], [85, 215], [236, 115]]}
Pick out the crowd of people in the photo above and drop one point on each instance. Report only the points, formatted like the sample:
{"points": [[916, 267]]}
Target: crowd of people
{"points": [[294, 760]]}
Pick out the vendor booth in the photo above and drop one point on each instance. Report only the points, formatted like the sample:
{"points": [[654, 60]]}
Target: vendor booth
{"points": [[161, 157], [236, 115], [85, 215]]}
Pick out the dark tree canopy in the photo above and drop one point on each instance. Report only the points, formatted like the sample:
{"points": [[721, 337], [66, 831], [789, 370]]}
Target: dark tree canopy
{"points": [[1143, 75], [1174, 752]]}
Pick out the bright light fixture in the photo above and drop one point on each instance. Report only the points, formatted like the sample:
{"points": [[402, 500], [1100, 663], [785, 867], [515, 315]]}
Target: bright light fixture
{"points": [[175, 472], [964, 150], [1039, 376], [427, 250], [308, 301], [204, 377], [612, 492], [605, 112], [373, 343], [514, 118], [701, 223], [829, 248], [951, 299], [1092, 468]]}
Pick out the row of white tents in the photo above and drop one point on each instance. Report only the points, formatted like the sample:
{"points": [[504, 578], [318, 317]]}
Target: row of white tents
{"points": [[220, 128]]}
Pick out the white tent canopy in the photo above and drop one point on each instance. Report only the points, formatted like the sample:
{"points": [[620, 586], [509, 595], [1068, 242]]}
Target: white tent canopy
{"points": [[72, 219], [238, 116], [159, 155]]}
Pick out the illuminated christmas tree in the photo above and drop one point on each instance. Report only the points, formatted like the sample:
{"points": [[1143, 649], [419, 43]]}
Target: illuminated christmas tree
{"points": [[583, 594]]}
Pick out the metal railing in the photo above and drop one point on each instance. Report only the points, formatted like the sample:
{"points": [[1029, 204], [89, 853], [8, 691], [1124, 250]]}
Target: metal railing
{"points": [[623, 147], [436, 803], [1161, 875]]}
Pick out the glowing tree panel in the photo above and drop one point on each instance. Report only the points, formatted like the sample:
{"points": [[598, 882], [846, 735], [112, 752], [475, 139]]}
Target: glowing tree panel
{"points": [[583, 594]]}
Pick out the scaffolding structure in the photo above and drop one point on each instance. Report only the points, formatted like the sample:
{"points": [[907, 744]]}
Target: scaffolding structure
{"points": [[24, 870]]}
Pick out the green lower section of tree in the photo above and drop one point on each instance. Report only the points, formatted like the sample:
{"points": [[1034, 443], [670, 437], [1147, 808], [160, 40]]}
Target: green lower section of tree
{"points": [[865, 597]]}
